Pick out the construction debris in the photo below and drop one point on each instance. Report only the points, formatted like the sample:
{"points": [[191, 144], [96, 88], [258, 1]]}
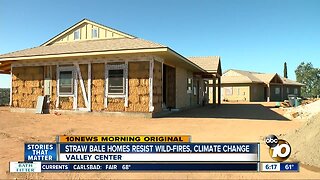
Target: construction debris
{"points": [[303, 111]]}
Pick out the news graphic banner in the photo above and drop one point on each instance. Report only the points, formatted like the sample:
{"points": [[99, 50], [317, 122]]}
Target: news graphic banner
{"points": [[140, 153]]}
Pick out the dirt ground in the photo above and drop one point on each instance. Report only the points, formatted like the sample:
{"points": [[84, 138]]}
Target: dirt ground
{"points": [[226, 123]]}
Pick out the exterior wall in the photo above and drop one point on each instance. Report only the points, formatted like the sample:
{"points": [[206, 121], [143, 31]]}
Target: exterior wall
{"points": [[138, 87], [86, 34], [183, 98], [181, 88], [257, 92], [211, 90], [53, 99], [157, 86], [84, 74], [273, 95], [98, 85], [235, 92], [291, 91], [27, 83]]}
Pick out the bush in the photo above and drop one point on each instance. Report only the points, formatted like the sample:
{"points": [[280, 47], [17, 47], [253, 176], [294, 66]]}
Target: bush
{"points": [[4, 96]]}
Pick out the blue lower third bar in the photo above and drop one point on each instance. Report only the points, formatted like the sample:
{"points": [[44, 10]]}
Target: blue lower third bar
{"points": [[49, 167], [289, 166]]}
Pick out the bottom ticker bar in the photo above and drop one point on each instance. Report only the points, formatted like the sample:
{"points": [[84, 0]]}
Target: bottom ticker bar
{"points": [[149, 167], [70, 166]]}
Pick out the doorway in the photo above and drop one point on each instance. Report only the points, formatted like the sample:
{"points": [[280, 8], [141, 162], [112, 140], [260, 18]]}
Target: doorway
{"points": [[169, 86]]}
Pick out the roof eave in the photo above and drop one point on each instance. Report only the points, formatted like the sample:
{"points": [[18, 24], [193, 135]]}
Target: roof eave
{"points": [[185, 59], [93, 53]]}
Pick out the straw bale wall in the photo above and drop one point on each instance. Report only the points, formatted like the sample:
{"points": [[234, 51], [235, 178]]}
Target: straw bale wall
{"points": [[84, 74], [115, 105], [27, 83], [157, 87], [98, 84], [53, 100], [138, 87]]}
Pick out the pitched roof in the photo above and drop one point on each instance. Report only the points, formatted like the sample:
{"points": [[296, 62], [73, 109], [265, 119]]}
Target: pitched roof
{"points": [[255, 77], [208, 63], [266, 78], [83, 21], [249, 75], [85, 46], [235, 79], [290, 82]]}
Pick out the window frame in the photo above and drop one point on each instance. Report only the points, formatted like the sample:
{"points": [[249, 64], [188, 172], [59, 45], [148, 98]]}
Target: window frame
{"points": [[123, 82], [277, 90], [66, 69], [95, 29], [74, 35], [123, 67]]}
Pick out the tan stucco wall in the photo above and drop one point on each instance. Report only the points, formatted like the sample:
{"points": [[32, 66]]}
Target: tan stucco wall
{"points": [[257, 92], [291, 90], [181, 87], [239, 93], [273, 95]]}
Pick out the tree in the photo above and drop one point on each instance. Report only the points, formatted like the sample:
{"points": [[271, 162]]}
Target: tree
{"points": [[285, 74], [309, 76]]}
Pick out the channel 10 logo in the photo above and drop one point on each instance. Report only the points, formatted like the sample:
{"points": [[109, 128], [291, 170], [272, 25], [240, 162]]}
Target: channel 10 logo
{"points": [[279, 149]]}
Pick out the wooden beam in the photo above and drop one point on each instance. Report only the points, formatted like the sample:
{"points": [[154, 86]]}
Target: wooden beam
{"points": [[58, 86], [106, 75], [151, 65], [82, 85], [75, 90], [89, 87], [126, 84], [11, 86]]}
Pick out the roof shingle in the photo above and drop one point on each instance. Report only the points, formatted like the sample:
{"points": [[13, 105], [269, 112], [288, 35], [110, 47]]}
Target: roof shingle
{"points": [[85, 46]]}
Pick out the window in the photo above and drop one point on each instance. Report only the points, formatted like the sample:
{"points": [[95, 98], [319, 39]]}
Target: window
{"points": [[288, 90], [66, 82], [116, 81], [277, 90], [228, 91], [76, 34], [295, 90], [94, 33]]}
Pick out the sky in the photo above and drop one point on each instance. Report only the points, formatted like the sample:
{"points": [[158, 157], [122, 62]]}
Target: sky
{"points": [[254, 35]]}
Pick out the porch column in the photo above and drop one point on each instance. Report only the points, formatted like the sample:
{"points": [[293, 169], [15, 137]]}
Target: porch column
{"points": [[214, 91], [282, 92], [219, 90], [268, 93]]}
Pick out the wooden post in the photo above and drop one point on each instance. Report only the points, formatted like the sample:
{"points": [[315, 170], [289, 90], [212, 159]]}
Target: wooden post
{"points": [[282, 92], [58, 86], [268, 92], [11, 87], [126, 103], [151, 108], [219, 90], [83, 89], [89, 87], [214, 91]]}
